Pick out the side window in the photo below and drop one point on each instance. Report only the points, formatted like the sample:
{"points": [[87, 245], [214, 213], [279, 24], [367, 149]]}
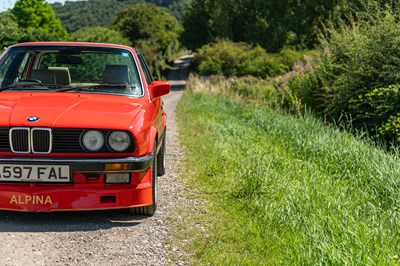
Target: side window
{"points": [[149, 78], [13, 67]]}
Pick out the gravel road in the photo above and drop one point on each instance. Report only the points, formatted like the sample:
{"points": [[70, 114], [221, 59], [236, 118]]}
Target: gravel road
{"points": [[106, 237]]}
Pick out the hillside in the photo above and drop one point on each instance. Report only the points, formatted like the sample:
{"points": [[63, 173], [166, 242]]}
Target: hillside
{"points": [[92, 13]]}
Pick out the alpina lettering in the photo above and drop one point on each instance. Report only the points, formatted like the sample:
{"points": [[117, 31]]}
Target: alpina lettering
{"points": [[28, 199]]}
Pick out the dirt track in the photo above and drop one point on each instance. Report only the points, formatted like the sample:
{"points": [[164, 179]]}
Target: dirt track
{"points": [[101, 238]]}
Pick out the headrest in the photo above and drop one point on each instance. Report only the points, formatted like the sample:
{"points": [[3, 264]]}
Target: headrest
{"points": [[62, 74], [44, 75], [116, 74]]}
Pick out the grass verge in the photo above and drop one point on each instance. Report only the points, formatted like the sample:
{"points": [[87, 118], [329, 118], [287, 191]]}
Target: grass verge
{"points": [[284, 190]]}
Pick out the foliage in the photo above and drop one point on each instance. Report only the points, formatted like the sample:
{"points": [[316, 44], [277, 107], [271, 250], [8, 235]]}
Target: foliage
{"points": [[282, 190], [99, 34], [272, 24], [391, 129], [356, 79], [379, 109], [37, 15], [178, 7], [39, 35], [10, 33], [156, 61], [367, 54], [241, 59], [308, 84], [152, 28], [95, 13], [148, 22]]}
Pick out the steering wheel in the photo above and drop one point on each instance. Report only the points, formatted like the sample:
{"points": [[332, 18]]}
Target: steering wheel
{"points": [[30, 80]]}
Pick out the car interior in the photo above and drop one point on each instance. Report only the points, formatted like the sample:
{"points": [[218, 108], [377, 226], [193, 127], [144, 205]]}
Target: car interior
{"points": [[53, 75], [112, 74]]}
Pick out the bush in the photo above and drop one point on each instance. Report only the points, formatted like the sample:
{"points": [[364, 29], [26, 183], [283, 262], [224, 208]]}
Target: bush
{"points": [[308, 84], [366, 53], [391, 130], [356, 79], [241, 59], [379, 110]]}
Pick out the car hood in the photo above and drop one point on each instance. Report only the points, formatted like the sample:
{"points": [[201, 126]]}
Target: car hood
{"points": [[69, 110]]}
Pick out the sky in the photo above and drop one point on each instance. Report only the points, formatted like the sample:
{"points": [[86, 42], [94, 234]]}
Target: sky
{"points": [[6, 4]]}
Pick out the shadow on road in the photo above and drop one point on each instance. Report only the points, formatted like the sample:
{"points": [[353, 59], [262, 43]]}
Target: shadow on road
{"points": [[66, 221], [179, 73]]}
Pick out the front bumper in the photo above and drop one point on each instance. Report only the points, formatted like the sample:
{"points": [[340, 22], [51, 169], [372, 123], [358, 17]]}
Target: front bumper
{"points": [[83, 192], [135, 164]]}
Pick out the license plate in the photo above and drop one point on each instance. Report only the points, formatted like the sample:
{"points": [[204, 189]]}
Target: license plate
{"points": [[34, 173]]}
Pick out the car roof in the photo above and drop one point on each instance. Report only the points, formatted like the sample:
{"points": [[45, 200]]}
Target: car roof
{"points": [[84, 44]]}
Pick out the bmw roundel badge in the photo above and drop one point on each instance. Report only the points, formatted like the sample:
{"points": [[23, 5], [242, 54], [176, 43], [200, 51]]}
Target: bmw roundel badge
{"points": [[33, 119]]}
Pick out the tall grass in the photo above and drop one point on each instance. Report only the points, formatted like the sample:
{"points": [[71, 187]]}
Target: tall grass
{"points": [[285, 190]]}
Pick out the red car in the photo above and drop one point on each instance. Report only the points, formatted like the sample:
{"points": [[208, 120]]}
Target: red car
{"points": [[82, 127]]}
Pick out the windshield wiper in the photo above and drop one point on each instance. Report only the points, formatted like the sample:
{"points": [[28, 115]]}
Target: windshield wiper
{"points": [[69, 89], [97, 86], [32, 85]]}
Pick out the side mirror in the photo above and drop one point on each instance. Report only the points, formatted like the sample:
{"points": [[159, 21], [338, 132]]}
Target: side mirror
{"points": [[159, 88]]}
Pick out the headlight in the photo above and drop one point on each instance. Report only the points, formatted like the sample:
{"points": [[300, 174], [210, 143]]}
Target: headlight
{"points": [[93, 140], [119, 140]]}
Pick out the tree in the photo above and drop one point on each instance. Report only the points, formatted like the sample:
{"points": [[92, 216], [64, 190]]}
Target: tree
{"points": [[271, 24], [203, 23], [10, 33], [148, 22], [178, 8], [100, 12], [34, 15], [99, 34], [153, 29]]}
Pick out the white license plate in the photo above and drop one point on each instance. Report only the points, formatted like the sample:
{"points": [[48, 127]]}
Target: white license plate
{"points": [[34, 173]]}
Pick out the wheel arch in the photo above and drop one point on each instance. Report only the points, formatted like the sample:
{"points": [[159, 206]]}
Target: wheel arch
{"points": [[153, 138]]}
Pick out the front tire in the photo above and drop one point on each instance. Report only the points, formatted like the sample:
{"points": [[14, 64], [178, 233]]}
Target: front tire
{"points": [[151, 209]]}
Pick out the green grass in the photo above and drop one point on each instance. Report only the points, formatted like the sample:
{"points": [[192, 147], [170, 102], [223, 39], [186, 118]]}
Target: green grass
{"points": [[284, 190]]}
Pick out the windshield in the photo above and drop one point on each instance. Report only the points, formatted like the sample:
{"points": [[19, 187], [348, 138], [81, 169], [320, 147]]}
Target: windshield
{"points": [[84, 69]]}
